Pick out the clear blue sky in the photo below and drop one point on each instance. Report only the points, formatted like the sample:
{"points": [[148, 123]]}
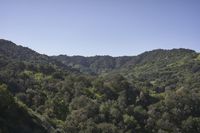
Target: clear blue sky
{"points": [[101, 27]]}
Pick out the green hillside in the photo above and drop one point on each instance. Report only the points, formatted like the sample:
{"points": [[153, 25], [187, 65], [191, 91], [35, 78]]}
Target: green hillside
{"points": [[95, 64], [155, 92], [15, 117]]}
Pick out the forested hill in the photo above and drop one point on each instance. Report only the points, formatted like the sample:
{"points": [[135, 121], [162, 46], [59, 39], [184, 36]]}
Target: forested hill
{"points": [[155, 92], [17, 53], [95, 64], [104, 64]]}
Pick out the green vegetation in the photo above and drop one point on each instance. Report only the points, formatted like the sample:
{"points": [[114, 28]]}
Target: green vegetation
{"points": [[155, 92], [15, 117]]}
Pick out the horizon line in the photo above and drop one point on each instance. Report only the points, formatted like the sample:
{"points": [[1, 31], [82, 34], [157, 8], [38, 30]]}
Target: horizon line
{"points": [[76, 55]]}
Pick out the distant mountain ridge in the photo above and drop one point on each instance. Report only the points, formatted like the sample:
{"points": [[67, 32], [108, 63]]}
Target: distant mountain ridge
{"points": [[103, 64], [93, 64], [11, 51]]}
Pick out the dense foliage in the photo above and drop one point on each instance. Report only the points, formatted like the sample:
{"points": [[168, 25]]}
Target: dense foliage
{"points": [[157, 91]]}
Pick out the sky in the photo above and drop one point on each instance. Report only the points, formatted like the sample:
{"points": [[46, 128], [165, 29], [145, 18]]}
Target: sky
{"points": [[101, 27]]}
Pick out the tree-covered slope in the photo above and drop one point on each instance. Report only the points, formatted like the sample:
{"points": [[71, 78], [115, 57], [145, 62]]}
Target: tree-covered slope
{"points": [[155, 92], [105, 64], [95, 64], [167, 68], [12, 52], [15, 117]]}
